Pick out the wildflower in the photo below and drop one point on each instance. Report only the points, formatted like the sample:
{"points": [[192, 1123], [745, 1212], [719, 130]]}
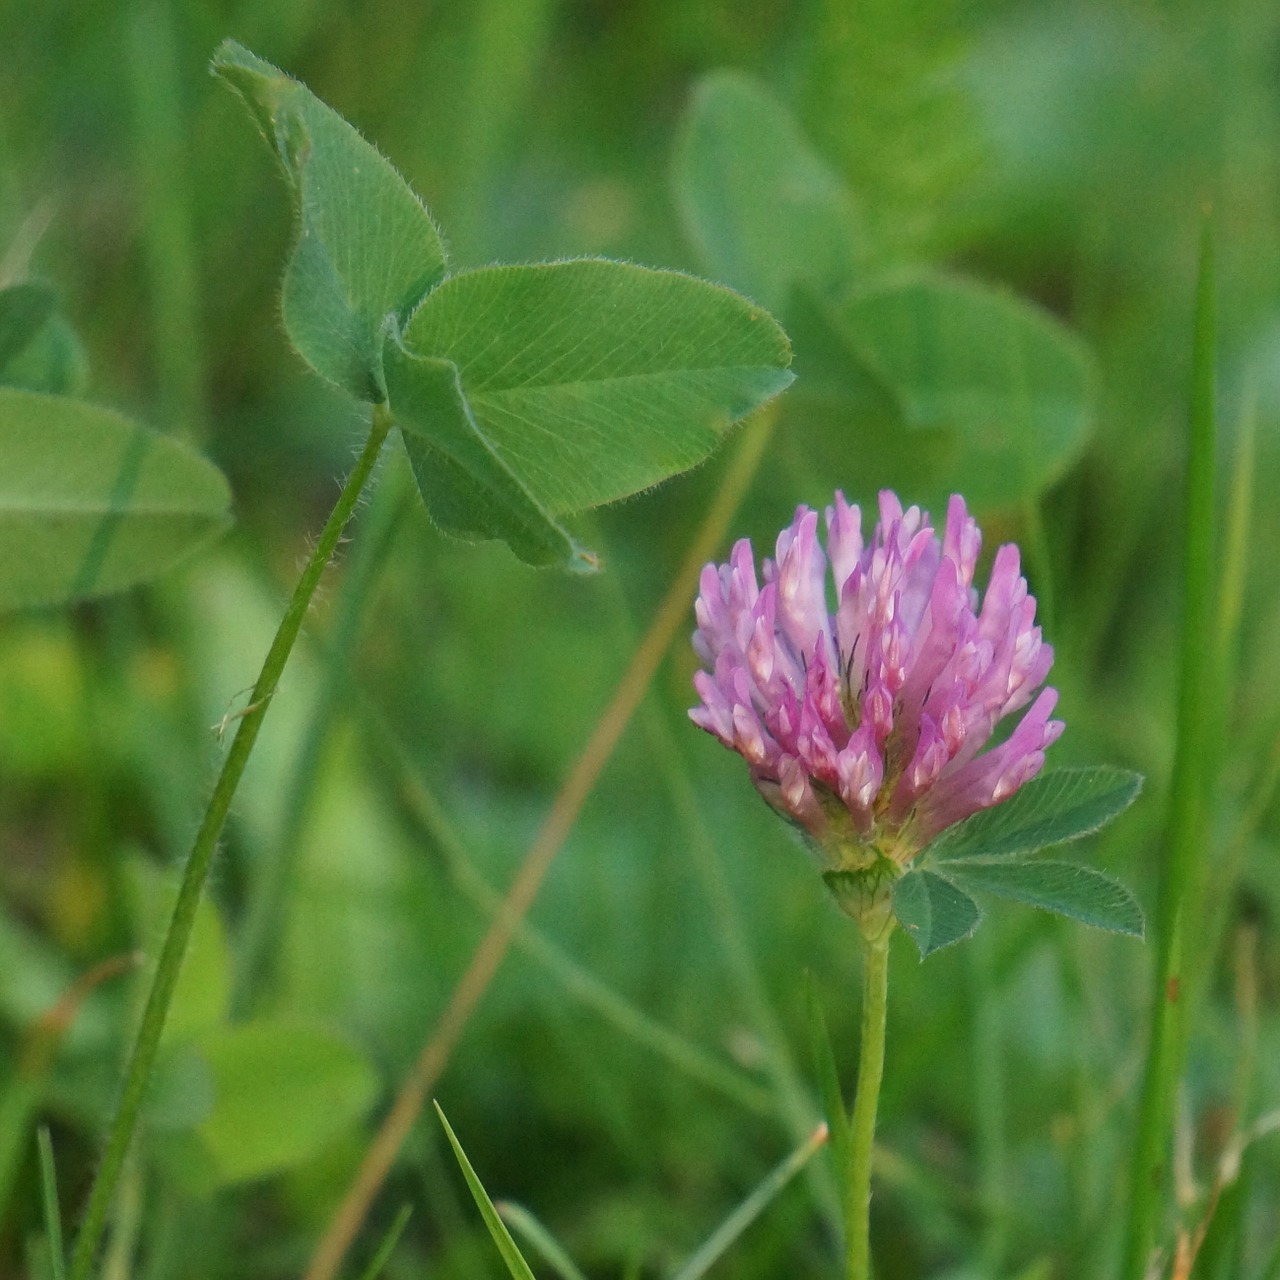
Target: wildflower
{"points": [[864, 723]]}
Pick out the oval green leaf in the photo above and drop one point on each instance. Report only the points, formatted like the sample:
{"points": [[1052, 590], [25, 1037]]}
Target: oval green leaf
{"points": [[282, 1090], [91, 502], [583, 381], [939, 385], [366, 246], [1062, 887], [933, 911], [762, 208], [1054, 807]]}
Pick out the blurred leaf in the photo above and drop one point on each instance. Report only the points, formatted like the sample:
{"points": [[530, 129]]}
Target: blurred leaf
{"points": [[53, 361], [1063, 887], [539, 1238], [763, 209], [972, 390], [933, 911], [576, 383], [283, 1090], [511, 1255], [366, 246], [833, 1104], [182, 1092], [1054, 807], [24, 310], [91, 502]]}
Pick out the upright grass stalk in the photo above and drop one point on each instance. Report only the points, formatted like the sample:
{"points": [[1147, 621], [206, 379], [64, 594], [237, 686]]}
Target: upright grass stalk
{"points": [[1180, 927], [174, 949], [488, 956], [160, 162], [862, 1118]]}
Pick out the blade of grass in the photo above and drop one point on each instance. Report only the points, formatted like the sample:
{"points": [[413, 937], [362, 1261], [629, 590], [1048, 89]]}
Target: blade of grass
{"points": [[1180, 925], [1235, 564], [511, 1254], [750, 1209], [564, 812], [829, 1081], [20, 1101], [553, 1253], [387, 1247], [160, 136], [52, 1210]]}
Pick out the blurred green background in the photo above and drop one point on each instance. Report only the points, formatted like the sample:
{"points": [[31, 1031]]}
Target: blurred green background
{"points": [[1066, 151]]}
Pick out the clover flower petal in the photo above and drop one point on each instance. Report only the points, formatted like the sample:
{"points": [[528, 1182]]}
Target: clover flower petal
{"points": [[861, 681]]}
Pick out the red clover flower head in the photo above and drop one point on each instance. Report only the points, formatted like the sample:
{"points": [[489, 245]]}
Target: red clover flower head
{"points": [[866, 726]]}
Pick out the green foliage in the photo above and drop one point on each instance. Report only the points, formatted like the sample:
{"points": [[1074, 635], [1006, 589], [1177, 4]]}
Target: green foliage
{"points": [[989, 853], [24, 311], [1054, 807], [282, 1091], [1059, 155], [388, 1245], [1063, 887], [540, 1240], [52, 1207], [833, 1106], [934, 912], [531, 384], [762, 208], [936, 384], [507, 1247], [525, 393], [91, 502], [38, 349], [366, 247]]}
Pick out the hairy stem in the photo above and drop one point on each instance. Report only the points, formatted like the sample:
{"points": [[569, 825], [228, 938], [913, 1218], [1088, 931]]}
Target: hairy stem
{"points": [[197, 869]]}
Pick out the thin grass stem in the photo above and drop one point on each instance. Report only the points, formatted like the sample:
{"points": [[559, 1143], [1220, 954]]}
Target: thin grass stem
{"points": [[1180, 927], [751, 1208], [174, 949], [52, 1211]]}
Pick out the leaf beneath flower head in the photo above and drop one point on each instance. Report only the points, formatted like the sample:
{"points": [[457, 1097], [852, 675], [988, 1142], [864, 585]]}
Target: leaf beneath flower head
{"points": [[1052, 808], [933, 911], [1063, 887]]}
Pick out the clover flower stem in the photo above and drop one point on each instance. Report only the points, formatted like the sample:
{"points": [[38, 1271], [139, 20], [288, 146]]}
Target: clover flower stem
{"points": [[176, 939], [862, 1121]]}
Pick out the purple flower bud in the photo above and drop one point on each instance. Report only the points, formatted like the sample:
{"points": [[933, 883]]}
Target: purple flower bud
{"points": [[862, 681]]}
